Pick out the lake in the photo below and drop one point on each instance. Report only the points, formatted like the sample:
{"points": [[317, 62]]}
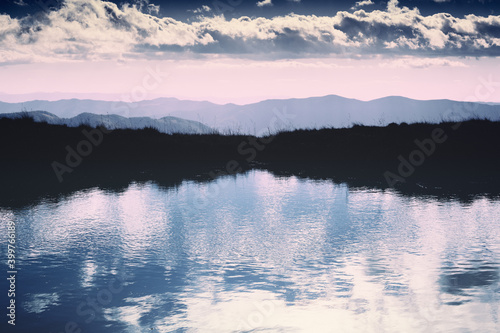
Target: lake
{"points": [[255, 252]]}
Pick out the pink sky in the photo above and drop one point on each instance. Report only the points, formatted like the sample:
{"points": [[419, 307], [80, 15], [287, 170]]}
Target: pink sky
{"points": [[225, 80], [80, 51]]}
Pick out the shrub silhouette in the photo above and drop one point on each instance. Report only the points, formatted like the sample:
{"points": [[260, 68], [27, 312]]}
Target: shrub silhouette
{"points": [[24, 139], [358, 155]]}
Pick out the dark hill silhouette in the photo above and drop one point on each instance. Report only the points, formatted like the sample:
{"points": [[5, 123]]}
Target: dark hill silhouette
{"points": [[23, 139], [468, 159]]}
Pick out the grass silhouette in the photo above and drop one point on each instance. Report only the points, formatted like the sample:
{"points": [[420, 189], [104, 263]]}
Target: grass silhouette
{"points": [[468, 160]]}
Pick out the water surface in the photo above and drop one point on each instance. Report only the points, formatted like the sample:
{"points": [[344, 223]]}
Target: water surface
{"points": [[256, 253]]}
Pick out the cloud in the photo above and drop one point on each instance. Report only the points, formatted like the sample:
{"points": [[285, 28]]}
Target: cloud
{"points": [[264, 3], [202, 9], [414, 62], [392, 6], [145, 7], [93, 30], [362, 3], [20, 3]]}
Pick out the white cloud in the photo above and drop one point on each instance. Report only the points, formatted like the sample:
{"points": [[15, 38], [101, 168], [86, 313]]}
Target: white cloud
{"points": [[415, 62], [20, 3], [94, 29], [202, 9], [264, 3], [145, 7], [362, 3], [392, 6]]}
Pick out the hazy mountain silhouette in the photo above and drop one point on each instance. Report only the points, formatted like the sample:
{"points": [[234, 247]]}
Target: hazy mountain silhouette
{"points": [[258, 118], [164, 125]]}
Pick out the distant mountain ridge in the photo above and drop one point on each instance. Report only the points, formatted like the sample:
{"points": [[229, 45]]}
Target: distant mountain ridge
{"points": [[165, 125], [276, 114]]}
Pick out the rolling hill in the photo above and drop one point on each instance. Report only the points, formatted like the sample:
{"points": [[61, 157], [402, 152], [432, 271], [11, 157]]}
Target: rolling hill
{"points": [[271, 115], [165, 124]]}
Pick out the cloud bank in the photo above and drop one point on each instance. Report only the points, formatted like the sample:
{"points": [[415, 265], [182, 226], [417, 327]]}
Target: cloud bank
{"points": [[96, 30]]}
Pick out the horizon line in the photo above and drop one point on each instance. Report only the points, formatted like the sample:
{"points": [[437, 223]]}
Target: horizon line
{"points": [[202, 100]]}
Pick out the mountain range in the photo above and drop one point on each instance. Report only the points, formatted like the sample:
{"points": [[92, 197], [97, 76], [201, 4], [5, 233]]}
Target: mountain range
{"points": [[271, 115], [165, 124]]}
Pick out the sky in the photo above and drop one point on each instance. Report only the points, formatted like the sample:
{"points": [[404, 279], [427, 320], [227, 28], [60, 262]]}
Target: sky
{"points": [[243, 51]]}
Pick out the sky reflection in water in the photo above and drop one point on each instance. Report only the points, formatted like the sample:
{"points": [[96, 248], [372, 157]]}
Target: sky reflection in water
{"points": [[257, 252]]}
